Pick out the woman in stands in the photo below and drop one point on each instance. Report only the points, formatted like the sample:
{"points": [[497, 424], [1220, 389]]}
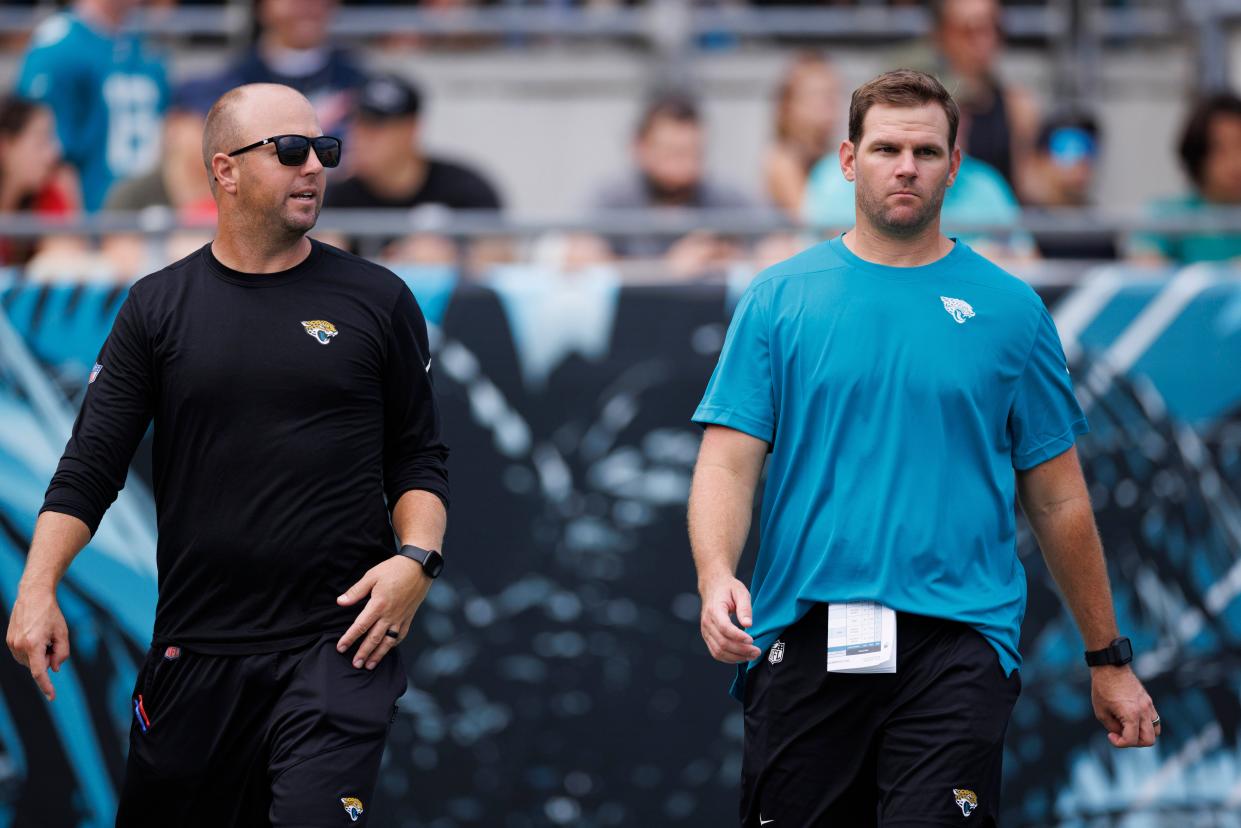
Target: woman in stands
{"points": [[806, 104], [32, 180]]}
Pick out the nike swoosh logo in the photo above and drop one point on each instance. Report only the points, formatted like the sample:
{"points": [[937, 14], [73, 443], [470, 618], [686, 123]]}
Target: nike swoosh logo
{"points": [[762, 821], [428, 366]]}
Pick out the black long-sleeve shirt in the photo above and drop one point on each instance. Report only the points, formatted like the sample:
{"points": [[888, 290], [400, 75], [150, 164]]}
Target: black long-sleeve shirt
{"points": [[288, 407]]}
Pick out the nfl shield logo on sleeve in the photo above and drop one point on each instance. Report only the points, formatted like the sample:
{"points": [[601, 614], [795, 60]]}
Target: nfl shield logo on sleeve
{"points": [[777, 653], [94, 373]]}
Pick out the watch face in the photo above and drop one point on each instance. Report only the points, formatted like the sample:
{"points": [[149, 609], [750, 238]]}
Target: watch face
{"points": [[434, 564]]}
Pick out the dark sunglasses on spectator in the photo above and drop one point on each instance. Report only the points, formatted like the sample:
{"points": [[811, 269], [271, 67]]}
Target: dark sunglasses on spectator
{"points": [[292, 150]]}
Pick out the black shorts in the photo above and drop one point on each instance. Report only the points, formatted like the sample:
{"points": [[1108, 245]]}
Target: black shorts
{"points": [[291, 738], [919, 747]]}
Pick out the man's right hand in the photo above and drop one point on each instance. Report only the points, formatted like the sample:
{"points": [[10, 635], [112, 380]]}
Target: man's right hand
{"points": [[38, 635], [728, 643]]}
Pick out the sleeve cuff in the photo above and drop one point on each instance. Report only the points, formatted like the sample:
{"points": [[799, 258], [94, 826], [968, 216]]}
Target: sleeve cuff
{"points": [[440, 492], [731, 419], [1052, 448], [85, 515]]}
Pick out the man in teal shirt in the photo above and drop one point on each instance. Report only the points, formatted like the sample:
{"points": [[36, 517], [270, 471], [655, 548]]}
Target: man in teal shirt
{"points": [[106, 88], [897, 379]]}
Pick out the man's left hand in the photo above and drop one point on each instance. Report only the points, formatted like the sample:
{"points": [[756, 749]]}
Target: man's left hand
{"points": [[1122, 705], [396, 588]]}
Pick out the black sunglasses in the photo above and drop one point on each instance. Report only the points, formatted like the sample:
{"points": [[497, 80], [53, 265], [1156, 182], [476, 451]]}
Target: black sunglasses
{"points": [[292, 150]]}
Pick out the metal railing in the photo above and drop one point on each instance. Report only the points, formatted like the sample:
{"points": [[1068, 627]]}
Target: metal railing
{"points": [[1075, 31], [668, 223], [655, 21]]}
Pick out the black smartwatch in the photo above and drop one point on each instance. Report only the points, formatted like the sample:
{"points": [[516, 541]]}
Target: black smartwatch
{"points": [[1118, 652], [431, 561]]}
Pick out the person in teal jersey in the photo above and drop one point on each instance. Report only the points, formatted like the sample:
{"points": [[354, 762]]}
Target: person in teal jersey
{"points": [[106, 88], [907, 391], [1210, 151]]}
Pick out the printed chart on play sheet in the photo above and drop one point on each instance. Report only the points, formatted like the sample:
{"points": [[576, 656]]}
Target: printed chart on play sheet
{"points": [[861, 638]]}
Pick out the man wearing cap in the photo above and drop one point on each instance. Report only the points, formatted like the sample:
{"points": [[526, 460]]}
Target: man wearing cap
{"points": [[389, 166]]}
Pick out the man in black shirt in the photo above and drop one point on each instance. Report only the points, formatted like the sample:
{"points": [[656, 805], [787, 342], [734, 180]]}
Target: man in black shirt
{"points": [[389, 170], [295, 431], [388, 164]]}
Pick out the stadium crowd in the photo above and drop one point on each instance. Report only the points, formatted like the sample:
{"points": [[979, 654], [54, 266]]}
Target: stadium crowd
{"points": [[95, 123]]}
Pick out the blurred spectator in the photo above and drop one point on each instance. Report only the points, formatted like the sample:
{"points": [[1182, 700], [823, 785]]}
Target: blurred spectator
{"points": [[389, 166], [292, 48], [806, 104], [968, 38], [178, 182], [391, 170], [1065, 160], [668, 150], [1210, 151], [978, 196], [177, 185], [107, 90], [29, 161]]}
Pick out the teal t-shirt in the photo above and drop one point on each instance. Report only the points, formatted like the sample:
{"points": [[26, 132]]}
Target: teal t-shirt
{"points": [[897, 402], [108, 93], [1207, 246]]}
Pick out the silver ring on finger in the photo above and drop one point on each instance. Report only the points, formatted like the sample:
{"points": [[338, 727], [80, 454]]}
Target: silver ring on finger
{"points": [[1155, 722]]}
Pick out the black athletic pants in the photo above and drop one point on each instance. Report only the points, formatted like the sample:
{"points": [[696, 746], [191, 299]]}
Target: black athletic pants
{"points": [[283, 739], [919, 747]]}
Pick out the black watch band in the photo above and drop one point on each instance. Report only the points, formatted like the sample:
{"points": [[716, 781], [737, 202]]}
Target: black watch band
{"points": [[431, 561], [1120, 651]]}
